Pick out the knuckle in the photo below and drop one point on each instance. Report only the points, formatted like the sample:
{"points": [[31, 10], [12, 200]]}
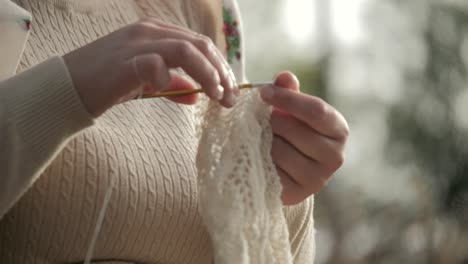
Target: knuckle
{"points": [[156, 63], [205, 39], [342, 128], [319, 107], [338, 161], [286, 99], [212, 78], [316, 181], [313, 187], [205, 44], [148, 67], [346, 131], [138, 30], [185, 49], [152, 23]]}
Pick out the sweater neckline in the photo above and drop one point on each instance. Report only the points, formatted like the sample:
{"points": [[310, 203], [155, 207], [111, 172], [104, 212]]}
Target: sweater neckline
{"points": [[80, 5]]}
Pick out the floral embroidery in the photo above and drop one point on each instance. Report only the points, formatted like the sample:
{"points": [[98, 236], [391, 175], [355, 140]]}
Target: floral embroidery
{"points": [[231, 31], [27, 23]]}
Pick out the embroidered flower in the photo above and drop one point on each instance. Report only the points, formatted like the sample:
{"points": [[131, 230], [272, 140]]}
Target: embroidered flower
{"points": [[231, 31], [27, 23]]}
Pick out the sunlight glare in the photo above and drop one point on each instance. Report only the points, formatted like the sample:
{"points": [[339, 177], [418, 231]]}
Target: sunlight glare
{"points": [[347, 20], [300, 19]]}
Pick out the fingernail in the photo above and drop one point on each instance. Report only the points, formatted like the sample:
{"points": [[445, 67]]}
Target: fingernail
{"points": [[234, 88], [219, 92], [267, 92]]}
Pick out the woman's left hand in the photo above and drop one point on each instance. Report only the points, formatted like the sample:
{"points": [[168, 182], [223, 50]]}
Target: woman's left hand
{"points": [[309, 138]]}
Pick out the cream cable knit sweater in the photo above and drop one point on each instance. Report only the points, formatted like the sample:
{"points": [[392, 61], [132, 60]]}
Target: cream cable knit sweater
{"points": [[56, 161]]}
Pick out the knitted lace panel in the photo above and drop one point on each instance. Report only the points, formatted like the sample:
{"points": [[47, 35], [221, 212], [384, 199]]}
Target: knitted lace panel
{"points": [[239, 189]]}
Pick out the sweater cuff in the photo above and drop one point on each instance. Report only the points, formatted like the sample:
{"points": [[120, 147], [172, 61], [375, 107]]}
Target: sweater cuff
{"points": [[44, 106]]}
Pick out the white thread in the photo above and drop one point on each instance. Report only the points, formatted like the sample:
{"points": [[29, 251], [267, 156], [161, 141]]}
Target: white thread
{"points": [[100, 220]]}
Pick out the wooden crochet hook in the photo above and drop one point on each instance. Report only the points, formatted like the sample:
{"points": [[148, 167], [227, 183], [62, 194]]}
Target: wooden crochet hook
{"points": [[186, 92]]}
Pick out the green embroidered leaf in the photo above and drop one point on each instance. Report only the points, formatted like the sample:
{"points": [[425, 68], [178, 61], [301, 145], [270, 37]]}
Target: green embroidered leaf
{"points": [[231, 55], [235, 42], [227, 16]]}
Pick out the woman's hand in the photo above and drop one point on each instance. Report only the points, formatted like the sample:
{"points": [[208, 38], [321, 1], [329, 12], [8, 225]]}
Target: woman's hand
{"points": [[309, 138], [136, 59]]}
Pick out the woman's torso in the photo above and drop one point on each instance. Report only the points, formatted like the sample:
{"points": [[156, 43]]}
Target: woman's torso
{"points": [[147, 148]]}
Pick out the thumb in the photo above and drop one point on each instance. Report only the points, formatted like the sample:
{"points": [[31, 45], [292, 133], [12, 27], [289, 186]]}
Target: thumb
{"points": [[287, 80]]}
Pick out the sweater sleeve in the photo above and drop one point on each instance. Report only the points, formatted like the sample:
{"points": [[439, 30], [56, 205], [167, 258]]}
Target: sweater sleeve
{"points": [[301, 231], [39, 111]]}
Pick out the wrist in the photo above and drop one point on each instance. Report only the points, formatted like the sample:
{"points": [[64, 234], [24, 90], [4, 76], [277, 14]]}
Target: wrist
{"points": [[89, 97]]}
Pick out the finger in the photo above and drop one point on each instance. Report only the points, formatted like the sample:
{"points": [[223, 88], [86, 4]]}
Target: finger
{"points": [[178, 84], [292, 192], [192, 35], [180, 53], [287, 80], [311, 110], [151, 72], [306, 172], [196, 37], [206, 46], [143, 74], [308, 141]]}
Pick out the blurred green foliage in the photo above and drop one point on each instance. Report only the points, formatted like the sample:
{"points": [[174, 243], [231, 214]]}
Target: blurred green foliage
{"points": [[425, 121]]}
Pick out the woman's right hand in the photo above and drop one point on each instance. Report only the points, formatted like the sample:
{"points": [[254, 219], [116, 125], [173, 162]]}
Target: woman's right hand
{"points": [[136, 59]]}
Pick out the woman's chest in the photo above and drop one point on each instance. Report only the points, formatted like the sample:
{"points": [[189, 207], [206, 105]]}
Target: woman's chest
{"points": [[146, 152]]}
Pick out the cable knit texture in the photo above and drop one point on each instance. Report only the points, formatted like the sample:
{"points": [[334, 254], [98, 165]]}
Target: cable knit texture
{"points": [[58, 162]]}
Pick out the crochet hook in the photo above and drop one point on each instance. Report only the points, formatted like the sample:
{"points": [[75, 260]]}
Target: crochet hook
{"points": [[186, 92]]}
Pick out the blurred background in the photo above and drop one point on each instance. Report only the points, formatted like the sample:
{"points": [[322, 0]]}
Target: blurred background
{"points": [[397, 70]]}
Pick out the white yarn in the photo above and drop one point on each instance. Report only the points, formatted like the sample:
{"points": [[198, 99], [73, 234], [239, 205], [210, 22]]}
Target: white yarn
{"points": [[97, 228]]}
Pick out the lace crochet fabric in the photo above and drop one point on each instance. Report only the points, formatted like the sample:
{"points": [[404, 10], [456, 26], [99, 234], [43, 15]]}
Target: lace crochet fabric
{"points": [[238, 185], [239, 189]]}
